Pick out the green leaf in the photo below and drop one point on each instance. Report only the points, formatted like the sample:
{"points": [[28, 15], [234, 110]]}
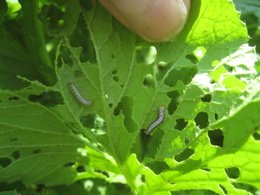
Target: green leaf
{"points": [[213, 29], [249, 7], [9, 193], [213, 173], [35, 141], [205, 80], [23, 52], [3, 10], [250, 14], [229, 145], [60, 19], [127, 93], [105, 82]]}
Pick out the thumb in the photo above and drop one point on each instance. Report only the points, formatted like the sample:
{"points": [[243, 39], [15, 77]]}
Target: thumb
{"points": [[154, 20]]}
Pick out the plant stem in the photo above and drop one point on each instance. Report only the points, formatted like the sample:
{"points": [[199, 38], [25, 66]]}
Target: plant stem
{"points": [[129, 178]]}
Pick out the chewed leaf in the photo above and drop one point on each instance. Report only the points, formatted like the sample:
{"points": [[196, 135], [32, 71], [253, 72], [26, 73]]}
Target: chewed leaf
{"points": [[27, 139], [158, 117], [126, 87]]}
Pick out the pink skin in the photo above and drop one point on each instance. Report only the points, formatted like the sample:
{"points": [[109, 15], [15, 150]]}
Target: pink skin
{"points": [[154, 20]]}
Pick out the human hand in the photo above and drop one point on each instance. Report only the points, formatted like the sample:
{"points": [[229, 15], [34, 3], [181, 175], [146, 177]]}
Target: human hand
{"points": [[154, 20]]}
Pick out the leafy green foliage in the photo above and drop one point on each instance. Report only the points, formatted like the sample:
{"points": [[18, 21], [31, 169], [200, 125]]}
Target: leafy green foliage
{"points": [[250, 13], [206, 79], [24, 47]]}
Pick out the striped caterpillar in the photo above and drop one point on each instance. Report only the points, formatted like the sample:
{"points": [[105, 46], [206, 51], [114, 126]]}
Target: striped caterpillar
{"points": [[74, 90], [160, 118]]}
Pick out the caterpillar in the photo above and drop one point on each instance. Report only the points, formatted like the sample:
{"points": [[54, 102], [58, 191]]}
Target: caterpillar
{"points": [[74, 90], [160, 118]]}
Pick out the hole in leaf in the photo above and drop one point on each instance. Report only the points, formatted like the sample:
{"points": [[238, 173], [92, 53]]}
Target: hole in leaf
{"points": [[40, 189], [80, 37], [46, 13], [145, 54], [174, 95], [184, 155], [223, 189], [197, 54], [205, 169], [102, 172], [149, 81], [206, 98], [88, 120], [117, 110], [216, 116], [142, 178], [232, 172], [125, 106], [193, 192], [13, 139], [201, 120], [186, 141], [216, 137], [114, 71], [54, 17], [61, 22], [181, 124], [5, 162], [47, 99], [69, 164], [81, 169], [184, 74], [162, 68], [65, 57], [256, 136], [228, 68], [247, 187], [15, 154], [212, 81], [13, 98], [158, 166], [115, 78], [192, 58], [36, 151], [200, 52], [17, 185]]}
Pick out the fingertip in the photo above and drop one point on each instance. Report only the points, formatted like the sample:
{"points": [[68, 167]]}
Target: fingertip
{"points": [[153, 20]]}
